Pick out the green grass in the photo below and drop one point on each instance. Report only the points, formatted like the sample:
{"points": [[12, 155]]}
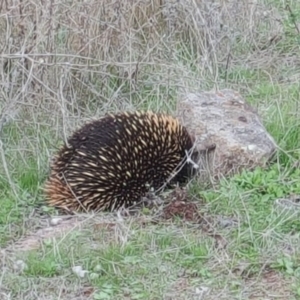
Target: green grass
{"points": [[146, 265], [251, 249]]}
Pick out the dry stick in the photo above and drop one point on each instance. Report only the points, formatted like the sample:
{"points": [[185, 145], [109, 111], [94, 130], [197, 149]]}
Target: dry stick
{"points": [[229, 57], [3, 158], [292, 15], [3, 120], [63, 108], [181, 165], [31, 57], [74, 195], [11, 183], [5, 112]]}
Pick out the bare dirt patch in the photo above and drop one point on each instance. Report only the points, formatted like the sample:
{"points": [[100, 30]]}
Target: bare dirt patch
{"points": [[271, 285], [179, 205], [61, 226]]}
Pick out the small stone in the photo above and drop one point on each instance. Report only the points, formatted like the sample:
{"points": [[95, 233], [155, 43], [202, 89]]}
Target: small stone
{"points": [[79, 272], [251, 147], [202, 290], [20, 266], [226, 222], [98, 268], [94, 276], [55, 221]]}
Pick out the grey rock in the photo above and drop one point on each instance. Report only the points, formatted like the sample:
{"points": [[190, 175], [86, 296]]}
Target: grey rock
{"points": [[226, 120]]}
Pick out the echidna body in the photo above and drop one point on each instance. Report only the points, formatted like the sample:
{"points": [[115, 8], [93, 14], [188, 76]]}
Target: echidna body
{"points": [[112, 162]]}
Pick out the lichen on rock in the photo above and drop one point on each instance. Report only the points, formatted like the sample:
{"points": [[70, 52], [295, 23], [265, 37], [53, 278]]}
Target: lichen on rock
{"points": [[225, 119]]}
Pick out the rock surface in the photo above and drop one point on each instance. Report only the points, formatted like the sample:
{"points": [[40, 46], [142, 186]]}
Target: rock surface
{"points": [[225, 119]]}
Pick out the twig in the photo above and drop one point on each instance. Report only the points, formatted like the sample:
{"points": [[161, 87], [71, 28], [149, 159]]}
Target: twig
{"points": [[293, 18]]}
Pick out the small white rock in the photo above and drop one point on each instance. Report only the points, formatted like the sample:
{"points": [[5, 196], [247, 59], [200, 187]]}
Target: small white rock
{"points": [[98, 268], [251, 147], [202, 290], [55, 221], [20, 265], [94, 276], [78, 271]]}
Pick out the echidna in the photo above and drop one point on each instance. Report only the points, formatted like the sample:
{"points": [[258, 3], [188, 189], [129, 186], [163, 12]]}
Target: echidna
{"points": [[114, 161]]}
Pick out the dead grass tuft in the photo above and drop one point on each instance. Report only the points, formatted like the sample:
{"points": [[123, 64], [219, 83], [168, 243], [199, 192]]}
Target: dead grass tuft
{"points": [[62, 63], [64, 58], [65, 62]]}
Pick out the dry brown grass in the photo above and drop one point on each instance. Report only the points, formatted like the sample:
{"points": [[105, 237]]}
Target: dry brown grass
{"points": [[63, 62], [73, 57]]}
